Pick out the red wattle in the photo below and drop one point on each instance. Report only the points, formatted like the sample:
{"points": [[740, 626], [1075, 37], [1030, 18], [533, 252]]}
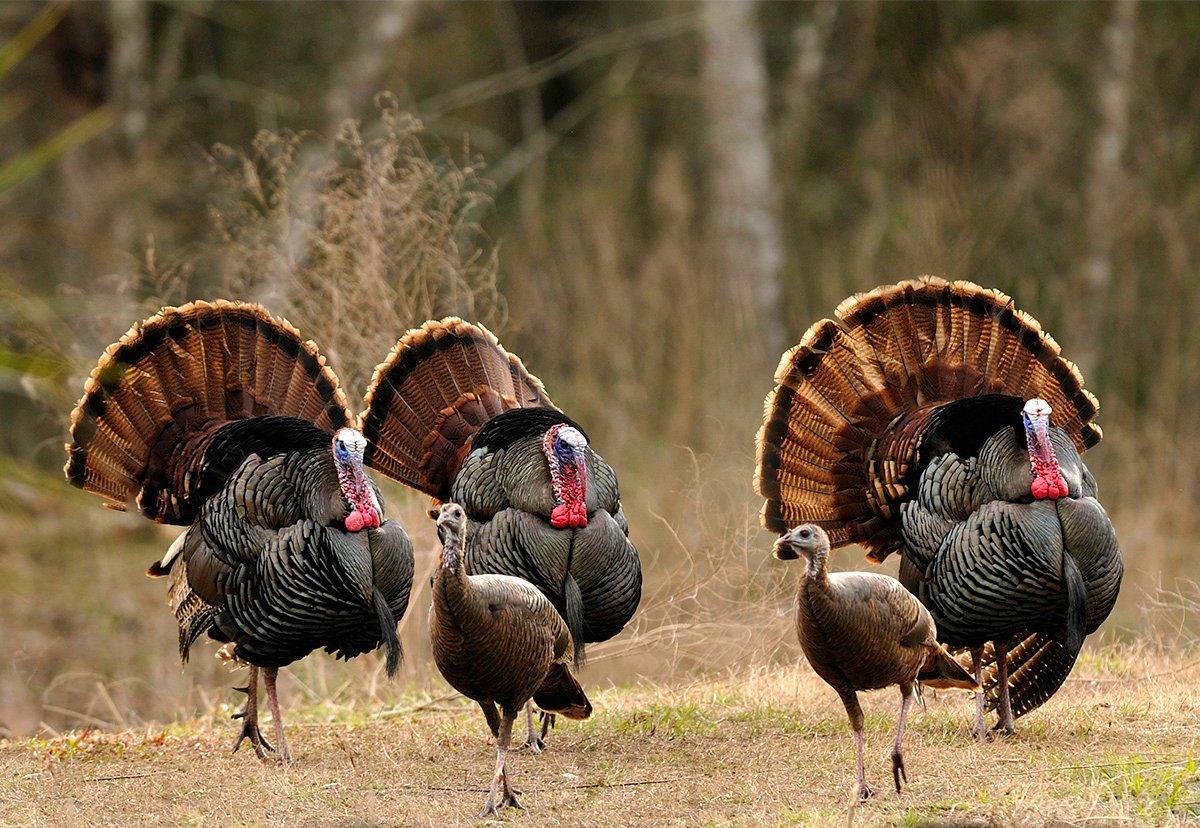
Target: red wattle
{"points": [[1046, 488], [358, 519], [568, 516]]}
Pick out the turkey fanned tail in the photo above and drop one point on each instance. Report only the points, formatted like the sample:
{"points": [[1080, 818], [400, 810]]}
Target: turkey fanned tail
{"points": [[137, 433], [1038, 665], [440, 385]]}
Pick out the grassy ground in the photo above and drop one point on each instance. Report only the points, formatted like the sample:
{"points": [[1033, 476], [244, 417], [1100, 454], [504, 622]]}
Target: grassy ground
{"points": [[1119, 742]]}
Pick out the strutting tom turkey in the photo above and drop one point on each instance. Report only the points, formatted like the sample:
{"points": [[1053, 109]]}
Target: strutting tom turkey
{"points": [[934, 419], [453, 414], [220, 418]]}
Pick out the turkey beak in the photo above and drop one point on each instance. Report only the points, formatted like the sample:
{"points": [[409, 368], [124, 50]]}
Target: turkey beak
{"points": [[783, 549]]}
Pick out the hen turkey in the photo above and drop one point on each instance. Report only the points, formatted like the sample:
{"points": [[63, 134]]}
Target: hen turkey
{"points": [[498, 641], [453, 414], [934, 419], [220, 418], [864, 631]]}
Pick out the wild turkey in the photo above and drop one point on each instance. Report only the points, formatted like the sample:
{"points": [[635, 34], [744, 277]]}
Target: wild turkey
{"points": [[865, 631], [453, 414], [499, 641], [920, 422], [220, 418]]}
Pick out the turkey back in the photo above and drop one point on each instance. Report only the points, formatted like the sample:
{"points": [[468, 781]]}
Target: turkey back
{"points": [[161, 397], [437, 388], [858, 398]]}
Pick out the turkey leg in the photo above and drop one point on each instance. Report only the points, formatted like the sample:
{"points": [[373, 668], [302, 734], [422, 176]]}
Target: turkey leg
{"points": [[533, 741], [1005, 724], [854, 711], [898, 772], [270, 675], [500, 787], [980, 732], [249, 717]]}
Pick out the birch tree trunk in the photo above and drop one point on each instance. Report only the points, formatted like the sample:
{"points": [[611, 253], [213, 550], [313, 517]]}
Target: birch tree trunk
{"points": [[128, 82], [745, 221], [355, 80], [1103, 194]]}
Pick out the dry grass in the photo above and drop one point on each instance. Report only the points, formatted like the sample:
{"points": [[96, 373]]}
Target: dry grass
{"points": [[1118, 744], [354, 239]]}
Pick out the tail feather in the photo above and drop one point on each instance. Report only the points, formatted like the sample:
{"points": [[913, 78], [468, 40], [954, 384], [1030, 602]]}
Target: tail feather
{"points": [[562, 694], [942, 671], [176, 373], [440, 384], [843, 426], [194, 615], [573, 601], [387, 629]]}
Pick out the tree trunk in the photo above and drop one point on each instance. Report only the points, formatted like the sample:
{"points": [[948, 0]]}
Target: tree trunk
{"points": [[355, 80], [745, 222], [1103, 194], [128, 82]]}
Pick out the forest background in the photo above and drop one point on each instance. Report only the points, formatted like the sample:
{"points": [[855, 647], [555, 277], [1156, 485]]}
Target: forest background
{"points": [[648, 202]]}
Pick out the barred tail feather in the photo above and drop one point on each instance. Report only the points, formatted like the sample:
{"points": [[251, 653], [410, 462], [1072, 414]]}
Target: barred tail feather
{"points": [[843, 426], [176, 373], [194, 615], [1038, 665], [439, 385]]}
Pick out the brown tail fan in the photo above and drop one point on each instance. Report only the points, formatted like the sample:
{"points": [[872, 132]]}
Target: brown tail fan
{"points": [[842, 427], [175, 375], [439, 385]]}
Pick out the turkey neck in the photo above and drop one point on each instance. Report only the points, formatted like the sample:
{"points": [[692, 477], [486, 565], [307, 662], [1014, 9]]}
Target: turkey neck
{"points": [[815, 574], [452, 588]]}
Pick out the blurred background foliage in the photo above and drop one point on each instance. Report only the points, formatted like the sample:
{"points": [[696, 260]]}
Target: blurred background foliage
{"points": [[647, 201]]}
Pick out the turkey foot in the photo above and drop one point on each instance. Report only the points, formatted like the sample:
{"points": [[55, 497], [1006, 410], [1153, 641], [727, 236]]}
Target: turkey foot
{"points": [[249, 717], [507, 798], [250, 731], [898, 771]]}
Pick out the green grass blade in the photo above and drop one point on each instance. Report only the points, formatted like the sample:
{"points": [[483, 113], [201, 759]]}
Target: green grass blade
{"points": [[33, 161], [16, 48]]}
